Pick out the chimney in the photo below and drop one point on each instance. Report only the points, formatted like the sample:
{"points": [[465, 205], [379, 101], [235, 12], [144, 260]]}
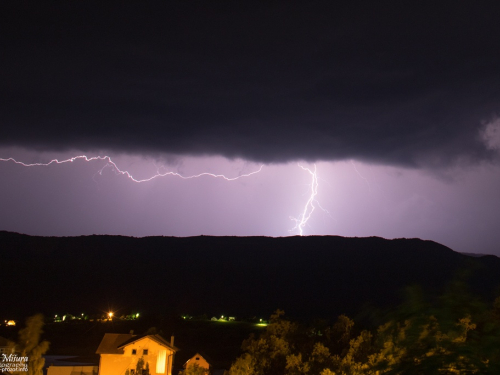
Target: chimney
{"points": [[172, 340], [132, 332]]}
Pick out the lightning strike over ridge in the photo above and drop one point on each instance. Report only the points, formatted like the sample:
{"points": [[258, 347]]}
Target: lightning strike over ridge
{"points": [[112, 164], [310, 204], [300, 222]]}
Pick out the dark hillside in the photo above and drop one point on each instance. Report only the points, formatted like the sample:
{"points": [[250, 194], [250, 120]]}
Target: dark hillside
{"points": [[242, 276]]}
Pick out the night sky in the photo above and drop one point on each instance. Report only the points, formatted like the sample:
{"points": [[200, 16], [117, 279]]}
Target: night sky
{"points": [[396, 103]]}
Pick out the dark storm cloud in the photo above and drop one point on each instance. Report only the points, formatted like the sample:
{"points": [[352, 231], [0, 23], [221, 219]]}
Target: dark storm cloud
{"points": [[389, 84]]}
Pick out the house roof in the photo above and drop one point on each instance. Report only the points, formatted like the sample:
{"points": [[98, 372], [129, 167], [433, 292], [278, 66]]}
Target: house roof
{"points": [[111, 343], [198, 354], [157, 338]]}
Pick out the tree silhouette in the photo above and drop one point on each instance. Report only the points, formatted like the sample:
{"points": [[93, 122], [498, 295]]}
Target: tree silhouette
{"points": [[29, 345]]}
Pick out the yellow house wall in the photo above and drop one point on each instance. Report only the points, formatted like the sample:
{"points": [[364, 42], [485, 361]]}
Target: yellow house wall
{"points": [[117, 364]]}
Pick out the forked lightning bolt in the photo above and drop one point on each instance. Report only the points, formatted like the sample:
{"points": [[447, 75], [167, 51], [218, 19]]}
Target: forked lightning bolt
{"points": [[310, 206], [300, 223], [112, 164]]}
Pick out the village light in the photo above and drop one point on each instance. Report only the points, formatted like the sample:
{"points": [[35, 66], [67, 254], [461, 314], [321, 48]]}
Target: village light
{"points": [[110, 315]]}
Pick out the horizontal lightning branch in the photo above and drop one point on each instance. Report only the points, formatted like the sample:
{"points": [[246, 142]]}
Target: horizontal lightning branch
{"points": [[300, 223], [112, 164]]}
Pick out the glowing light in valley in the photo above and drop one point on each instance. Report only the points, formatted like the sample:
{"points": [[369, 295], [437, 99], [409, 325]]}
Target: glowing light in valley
{"points": [[310, 206], [111, 164]]}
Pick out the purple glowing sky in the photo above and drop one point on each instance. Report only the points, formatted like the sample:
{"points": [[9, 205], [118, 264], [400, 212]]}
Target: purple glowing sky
{"points": [[459, 208], [396, 104]]}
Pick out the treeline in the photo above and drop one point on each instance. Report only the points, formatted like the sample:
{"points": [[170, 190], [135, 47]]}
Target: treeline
{"points": [[456, 333]]}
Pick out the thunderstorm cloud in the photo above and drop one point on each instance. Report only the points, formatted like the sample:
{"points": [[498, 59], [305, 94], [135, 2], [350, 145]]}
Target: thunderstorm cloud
{"points": [[272, 82]]}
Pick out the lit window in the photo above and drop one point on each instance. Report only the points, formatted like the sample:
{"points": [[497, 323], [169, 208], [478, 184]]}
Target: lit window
{"points": [[161, 361], [134, 351], [145, 352]]}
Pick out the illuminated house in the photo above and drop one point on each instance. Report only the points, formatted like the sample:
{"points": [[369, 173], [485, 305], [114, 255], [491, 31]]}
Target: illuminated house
{"points": [[199, 360], [121, 352]]}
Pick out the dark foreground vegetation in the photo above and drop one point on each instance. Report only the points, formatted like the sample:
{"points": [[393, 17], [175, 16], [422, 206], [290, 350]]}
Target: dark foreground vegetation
{"points": [[456, 333]]}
